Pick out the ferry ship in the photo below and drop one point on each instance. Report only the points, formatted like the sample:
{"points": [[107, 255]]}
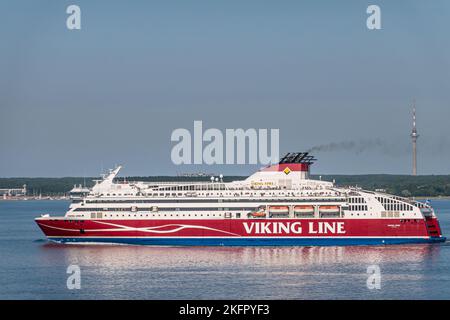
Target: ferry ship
{"points": [[277, 206]]}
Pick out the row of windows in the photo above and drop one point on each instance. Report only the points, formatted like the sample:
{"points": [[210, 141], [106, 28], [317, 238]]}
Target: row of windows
{"points": [[210, 186], [100, 215], [164, 209], [397, 207], [356, 200], [394, 205], [209, 200], [228, 194], [358, 208]]}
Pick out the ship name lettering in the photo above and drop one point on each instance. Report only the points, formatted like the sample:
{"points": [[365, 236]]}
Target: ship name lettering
{"points": [[273, 227], [326, 228]]}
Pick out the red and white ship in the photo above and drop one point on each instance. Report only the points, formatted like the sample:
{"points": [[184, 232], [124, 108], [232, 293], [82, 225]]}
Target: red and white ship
{"points": [[276, 206]]}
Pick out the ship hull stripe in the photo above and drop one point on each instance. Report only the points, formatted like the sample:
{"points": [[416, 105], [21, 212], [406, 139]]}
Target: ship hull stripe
{"points": [[251, 241]]}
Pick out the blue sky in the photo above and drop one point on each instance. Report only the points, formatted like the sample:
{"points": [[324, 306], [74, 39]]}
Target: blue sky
{"points": [[73, 102]]}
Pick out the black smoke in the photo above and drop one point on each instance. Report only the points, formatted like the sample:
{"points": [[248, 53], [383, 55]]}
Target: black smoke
{"points": [[357, 147]]}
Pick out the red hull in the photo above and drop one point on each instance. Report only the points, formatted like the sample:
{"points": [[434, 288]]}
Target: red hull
{"points": [[241, 228]]}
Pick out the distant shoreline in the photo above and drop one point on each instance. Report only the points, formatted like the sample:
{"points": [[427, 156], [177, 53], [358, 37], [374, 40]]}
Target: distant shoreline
{"points": [[35, 199], [419, 187], [433, 198], [68, 199]]}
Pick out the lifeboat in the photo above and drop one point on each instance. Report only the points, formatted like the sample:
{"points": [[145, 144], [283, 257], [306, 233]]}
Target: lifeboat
{"points": [[304, 209], [329, 209], [279, 210]]}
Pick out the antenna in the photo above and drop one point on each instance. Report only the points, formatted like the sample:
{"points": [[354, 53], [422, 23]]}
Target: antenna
{"points": [[414, 136]]}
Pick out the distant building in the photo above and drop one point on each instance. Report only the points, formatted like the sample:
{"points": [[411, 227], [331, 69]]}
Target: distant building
{"points": [[14, 191], [196, 174]]}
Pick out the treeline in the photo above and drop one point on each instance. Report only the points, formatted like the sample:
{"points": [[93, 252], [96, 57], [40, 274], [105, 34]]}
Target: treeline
{"points": [[61, 186], [402, 185]]}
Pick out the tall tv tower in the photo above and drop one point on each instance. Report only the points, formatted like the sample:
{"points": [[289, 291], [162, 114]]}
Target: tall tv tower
{"points": [[414, 136]]}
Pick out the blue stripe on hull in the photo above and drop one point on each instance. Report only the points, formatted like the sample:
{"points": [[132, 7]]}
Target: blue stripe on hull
{"points": [[252, 241]]}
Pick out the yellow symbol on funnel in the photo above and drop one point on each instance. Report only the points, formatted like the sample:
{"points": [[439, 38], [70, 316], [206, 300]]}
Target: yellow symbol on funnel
{"points": [[287, 170]]}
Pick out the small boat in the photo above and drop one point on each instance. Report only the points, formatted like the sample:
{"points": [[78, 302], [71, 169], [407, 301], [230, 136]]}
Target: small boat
{"points": [[258, 214]]}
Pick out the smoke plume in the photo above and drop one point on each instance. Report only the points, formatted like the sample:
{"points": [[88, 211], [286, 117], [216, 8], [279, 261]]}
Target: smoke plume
{"points": [[357, 147]]}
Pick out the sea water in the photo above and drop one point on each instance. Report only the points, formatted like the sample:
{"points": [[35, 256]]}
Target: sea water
{"points": [[33, 268]]}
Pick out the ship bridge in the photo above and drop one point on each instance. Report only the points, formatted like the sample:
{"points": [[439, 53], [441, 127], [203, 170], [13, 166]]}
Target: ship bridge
{"points": [[291, 172]]}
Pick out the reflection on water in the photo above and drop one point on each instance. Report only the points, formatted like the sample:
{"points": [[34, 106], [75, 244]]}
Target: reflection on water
{"points": [[32, 268], [122, 256], [248, 273]]}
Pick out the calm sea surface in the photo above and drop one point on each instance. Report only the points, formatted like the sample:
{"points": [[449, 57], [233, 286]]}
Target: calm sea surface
{"points": [[32, 268]]}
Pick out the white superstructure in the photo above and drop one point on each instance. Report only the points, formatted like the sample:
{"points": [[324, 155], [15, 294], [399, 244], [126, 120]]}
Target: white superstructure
{"points": [[280, 191]]}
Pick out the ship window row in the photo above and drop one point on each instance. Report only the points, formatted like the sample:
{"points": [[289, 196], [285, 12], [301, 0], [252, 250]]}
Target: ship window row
{"points": [[391, 204], [231, 194], [211, 200], [356, 200], [101, 215], [362, 214], [210, 186], [106, 215], [397, 207], [165, 209], [358, 208]]}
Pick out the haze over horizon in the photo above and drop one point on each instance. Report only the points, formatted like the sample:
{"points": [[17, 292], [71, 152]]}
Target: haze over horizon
{"points": [[74, 102]]}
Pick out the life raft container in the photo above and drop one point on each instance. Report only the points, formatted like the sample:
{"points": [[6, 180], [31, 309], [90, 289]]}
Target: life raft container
{"points": [[258, 214]]}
